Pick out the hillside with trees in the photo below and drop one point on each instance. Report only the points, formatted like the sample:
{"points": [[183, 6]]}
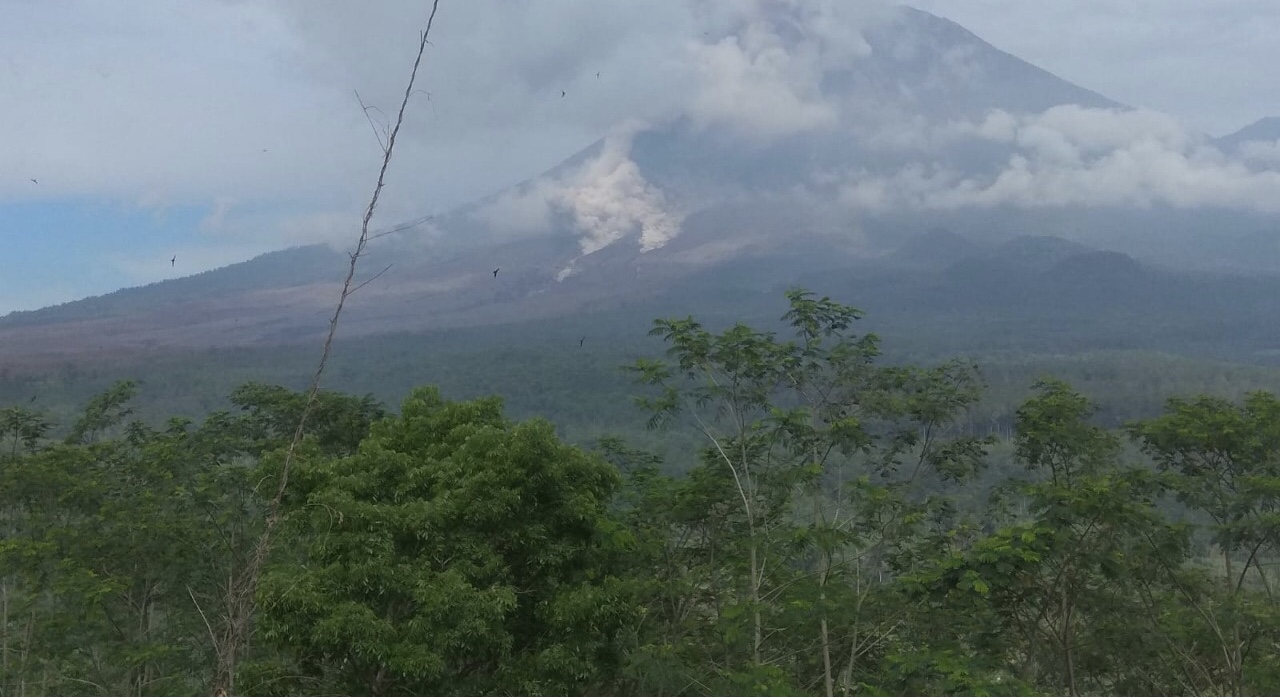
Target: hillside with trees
{"points": [[835, 527]]}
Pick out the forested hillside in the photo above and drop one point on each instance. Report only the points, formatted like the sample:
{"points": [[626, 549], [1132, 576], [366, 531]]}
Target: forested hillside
{"points": [[820, 520]]}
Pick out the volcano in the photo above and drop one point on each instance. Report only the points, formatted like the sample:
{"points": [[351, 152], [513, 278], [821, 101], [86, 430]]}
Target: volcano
{"points": [[921, 127]]}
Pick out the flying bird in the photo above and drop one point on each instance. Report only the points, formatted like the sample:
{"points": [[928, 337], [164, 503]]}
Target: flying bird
{"points": [[495, 272], [580, 341], [562, 93], [597, 74], [174, 260], [33, 398], [34, 181]]}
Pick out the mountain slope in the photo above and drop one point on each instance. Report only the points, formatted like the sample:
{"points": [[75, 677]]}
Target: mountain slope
{"points": [[296, 266], [1264, 130]]}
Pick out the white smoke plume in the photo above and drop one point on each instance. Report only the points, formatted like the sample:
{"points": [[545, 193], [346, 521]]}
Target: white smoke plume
{"points": [[607, 199], [610, 199]]}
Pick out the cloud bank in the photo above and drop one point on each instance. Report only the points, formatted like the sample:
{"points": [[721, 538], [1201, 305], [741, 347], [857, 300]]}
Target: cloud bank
{"points": [[1072, 156]]}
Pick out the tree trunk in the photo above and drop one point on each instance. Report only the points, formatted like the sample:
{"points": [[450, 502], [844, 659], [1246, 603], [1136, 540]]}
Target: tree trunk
{"points": [[820, 520], [1068, 654], [4, 638], [757, 621], [828, 680]]}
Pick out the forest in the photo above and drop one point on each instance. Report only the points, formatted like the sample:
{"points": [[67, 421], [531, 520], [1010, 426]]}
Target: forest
{"points": [[831, 523]]}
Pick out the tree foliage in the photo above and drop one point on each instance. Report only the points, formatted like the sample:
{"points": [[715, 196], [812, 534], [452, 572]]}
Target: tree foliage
{"points": [[454, 553]]}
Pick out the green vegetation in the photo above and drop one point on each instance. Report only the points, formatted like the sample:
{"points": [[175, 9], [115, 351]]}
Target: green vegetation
{"points": [[539, 371], [821, 519]]}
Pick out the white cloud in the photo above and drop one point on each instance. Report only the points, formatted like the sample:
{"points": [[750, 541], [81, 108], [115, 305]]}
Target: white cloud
{"points": [[1263, 152], [1075, 156], [761, 92], [763, 79], [524, 210], [216, 220]]}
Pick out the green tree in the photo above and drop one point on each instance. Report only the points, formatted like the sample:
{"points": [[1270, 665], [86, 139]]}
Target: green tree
{"points": [[23, 429], [120, 540], [337, 422], [100, 547], [1224, 460], [783, 511], [1077, 588], [105, 410], [454, 553]]}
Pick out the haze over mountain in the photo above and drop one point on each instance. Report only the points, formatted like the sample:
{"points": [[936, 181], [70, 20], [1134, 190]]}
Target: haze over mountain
{"points": [[812, 150]]}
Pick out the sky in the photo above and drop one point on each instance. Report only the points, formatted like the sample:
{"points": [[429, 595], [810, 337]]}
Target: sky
{"points": [[167, 138]]}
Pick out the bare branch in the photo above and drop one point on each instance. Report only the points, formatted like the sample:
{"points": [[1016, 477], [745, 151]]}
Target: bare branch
{"points": [[205, 619], [372, 127], [369, 280], [402, 227]]}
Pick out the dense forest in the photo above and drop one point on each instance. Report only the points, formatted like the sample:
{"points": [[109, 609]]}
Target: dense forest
{"points": [[801, 516]]}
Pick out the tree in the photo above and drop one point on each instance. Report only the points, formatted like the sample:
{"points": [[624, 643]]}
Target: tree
{"points": [[454, 553], [24, 429], [110, 408], [121, 541], [1225, 464], [337, 422], [99, 553], [1078, 588], [795, 429]]}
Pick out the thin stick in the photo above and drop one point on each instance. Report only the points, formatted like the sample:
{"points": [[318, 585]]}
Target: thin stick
{"points": [[376, 134], [207, 625], [370, 280], [242, 603], [402, 227]]}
